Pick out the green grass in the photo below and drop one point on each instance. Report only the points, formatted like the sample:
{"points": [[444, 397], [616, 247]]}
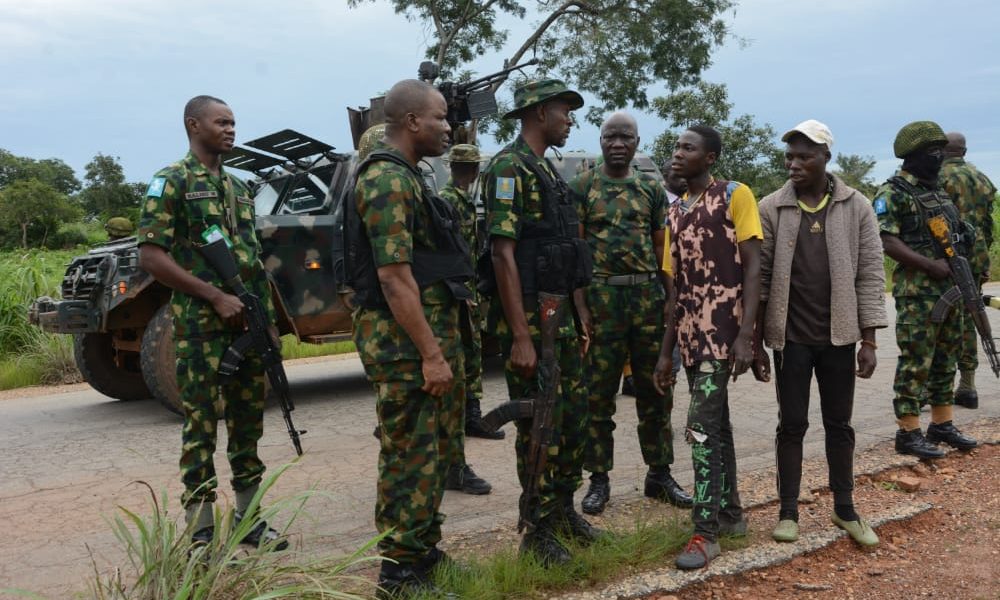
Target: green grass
{"points": [[291, 348]]}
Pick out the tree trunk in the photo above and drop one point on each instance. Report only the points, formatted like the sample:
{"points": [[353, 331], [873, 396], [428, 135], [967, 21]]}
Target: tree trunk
{"points": [[24, 235]]}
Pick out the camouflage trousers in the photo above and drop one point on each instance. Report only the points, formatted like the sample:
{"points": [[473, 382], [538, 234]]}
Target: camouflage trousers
{"points": [[206, 397], [628, 324], [968, 360], [564, 471], [925, 371], [421, 435], [471, 320], [713, 452]]}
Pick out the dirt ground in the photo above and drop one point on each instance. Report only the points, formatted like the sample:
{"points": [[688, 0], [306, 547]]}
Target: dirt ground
{"points": [[951, 551]]}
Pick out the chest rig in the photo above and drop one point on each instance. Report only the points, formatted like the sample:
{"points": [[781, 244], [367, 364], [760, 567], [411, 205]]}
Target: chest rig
{"points": [[447, 262], [913, 229]]}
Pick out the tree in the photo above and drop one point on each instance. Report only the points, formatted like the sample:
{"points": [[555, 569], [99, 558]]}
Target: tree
{"points": [[613, 49], [51, 171], [856, 171], [33, 209], [106, 193], [749, 154]]}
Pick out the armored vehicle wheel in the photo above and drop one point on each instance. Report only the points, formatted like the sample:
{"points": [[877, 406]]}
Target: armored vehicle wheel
{"points": [[159, 360], [113, 373]]}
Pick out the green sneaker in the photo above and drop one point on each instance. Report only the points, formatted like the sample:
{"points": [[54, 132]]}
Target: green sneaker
{"points": [[860, 530], [786, 531]]}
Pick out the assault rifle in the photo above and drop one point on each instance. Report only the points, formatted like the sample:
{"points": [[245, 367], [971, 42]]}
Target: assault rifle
{"points": [[538, 406], [468, 100], [966, 290], [257, 338]]}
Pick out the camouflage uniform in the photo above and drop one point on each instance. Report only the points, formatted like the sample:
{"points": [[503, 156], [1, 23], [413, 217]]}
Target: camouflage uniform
{"points": [[472, 319], [972, 192], [421, 433], [514, 196], [619, 217], [183, 201], [927, 351]]}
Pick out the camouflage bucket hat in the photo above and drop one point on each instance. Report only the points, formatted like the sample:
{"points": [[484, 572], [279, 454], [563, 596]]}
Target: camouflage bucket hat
{"points": [[535, 92], [464, 153], [118, 226], [917, 135]]}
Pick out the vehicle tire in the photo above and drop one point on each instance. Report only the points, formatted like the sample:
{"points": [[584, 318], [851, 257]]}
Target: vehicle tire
{"points": [[95, 357], [159, 362]]}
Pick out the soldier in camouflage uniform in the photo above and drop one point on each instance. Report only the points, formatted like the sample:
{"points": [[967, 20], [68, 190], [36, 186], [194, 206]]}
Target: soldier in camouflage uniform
{"points": [[464, 160], [520, 188], [622, 214], [973, 193], [406, 328], [928, 350], [185, 203]]}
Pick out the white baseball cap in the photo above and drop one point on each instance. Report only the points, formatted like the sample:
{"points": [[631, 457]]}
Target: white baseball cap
{"points": [[812, 129]]}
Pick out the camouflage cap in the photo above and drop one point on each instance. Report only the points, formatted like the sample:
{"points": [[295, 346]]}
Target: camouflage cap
{"points": [[119, 226], [464, 153], [373, 134], [917, 135], [538, 91]]}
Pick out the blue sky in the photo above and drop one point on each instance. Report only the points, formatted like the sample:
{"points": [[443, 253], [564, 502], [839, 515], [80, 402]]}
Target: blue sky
{"points": [[112, 76]]}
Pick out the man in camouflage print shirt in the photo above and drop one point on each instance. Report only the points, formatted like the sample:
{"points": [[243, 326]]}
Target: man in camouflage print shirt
{"points": [[518, 186], [185, 203], [622, 216], [973, 193], [408, 336]]}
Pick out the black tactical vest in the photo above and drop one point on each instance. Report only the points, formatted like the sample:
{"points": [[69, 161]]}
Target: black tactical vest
{"points": [[913, 231], [550, 255], [448, 263]]}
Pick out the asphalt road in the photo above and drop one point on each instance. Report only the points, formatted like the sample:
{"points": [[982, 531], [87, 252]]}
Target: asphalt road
{"points": [[69, 458]]}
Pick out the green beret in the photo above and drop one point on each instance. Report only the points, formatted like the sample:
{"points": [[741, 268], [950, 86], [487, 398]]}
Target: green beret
{"points": [[119, 226], [917, 135], [464, 153], [535, 92]]}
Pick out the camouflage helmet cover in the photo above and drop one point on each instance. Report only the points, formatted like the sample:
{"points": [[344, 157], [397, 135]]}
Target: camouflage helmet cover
{"points": [[539, 91], [917, 135], [118, 226], [373, 134], [464, 153]]}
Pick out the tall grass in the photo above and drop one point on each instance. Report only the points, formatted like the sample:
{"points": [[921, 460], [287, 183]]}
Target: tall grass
{"points": [[163, 565]]}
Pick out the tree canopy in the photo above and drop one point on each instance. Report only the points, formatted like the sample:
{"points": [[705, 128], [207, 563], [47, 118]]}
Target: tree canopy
{"points": [[749, 152], [856, 171], [613, 49], [51, 171], [106, 193], [34, 210]]}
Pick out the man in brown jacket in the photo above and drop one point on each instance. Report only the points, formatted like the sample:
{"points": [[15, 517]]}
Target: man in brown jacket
{"points": [[822, 291]]}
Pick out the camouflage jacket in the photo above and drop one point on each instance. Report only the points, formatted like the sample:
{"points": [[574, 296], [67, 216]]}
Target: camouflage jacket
{"points": [[183, 201], [390, 203], [463, 203], [897, 213], [619, 218], [513, 195], [973, 193]]}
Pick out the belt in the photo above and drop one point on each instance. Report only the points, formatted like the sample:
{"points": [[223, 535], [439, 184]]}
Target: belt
{"points": [[630, 279]]}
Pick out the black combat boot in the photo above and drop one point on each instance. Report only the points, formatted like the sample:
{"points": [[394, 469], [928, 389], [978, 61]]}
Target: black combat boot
{"points": [[913, 442], [660, 485], [628, 386], [474, 425], [400, 580], [262, 536], [463, 479], [967, 398], [572, 525], [949, 434], [597, 495], [543, 543]]}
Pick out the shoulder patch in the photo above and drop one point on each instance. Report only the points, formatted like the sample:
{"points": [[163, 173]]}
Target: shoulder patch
{"points": [[155, 189], [880, 206], [505, 188]]}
